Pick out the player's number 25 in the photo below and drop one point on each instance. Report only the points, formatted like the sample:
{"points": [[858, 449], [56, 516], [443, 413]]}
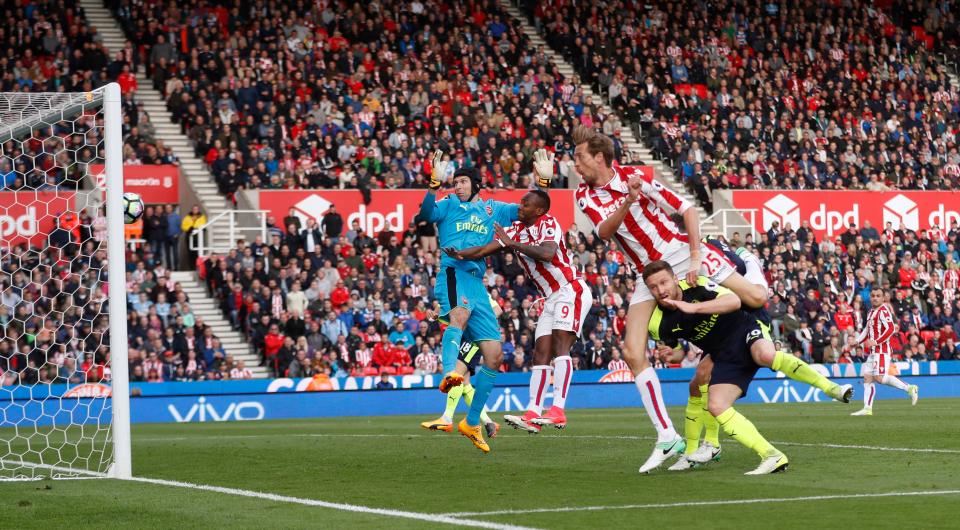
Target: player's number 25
{"points": [[712, 264]]}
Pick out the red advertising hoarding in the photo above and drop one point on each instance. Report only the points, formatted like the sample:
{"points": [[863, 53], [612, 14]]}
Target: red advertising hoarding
{"points": [[156, 184], [392, 209], [30, 215], [830, 212]]}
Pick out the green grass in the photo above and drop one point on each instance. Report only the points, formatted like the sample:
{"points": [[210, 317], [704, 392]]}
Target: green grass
{"points": [[392, 463]]}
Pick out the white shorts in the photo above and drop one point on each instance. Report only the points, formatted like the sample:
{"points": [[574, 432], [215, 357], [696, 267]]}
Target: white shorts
{"points": [[878, 364], [715, 266], [565, 309]]}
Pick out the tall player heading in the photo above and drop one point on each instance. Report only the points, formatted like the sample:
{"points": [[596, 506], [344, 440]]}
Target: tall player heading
{"points": [[626, 205]]}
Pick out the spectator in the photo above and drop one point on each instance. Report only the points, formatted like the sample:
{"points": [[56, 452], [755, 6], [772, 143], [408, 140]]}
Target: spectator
{"points": [[332, 224], [171, 253], [384, 382], [190, 225]]}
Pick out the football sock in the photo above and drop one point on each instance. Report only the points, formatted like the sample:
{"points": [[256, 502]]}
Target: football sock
{"points": [[468, 393], [562, 373], [693, 424], [895, 382], [754, 272], [798, 370], [649, 386], [710, 425], [538, 387], [483, 383], [743, 431], [453, 398], [868, 393], [451, 347]]}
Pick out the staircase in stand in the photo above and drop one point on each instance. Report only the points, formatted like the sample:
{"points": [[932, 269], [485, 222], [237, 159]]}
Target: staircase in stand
{"points": [[639, 151], [206, 307], [193, 170]]}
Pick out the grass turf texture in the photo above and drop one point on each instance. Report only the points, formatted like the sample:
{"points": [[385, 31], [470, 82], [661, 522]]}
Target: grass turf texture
{"points": [[390, 462]]}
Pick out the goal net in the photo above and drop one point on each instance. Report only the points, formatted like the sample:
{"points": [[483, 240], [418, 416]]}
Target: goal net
{"points": [[64, 406]]}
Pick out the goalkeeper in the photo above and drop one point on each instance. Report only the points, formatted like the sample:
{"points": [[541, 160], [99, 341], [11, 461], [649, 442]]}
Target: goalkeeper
{"points": [[464, 220], [468, 361]]}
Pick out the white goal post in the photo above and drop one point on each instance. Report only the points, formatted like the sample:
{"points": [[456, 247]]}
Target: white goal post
{"points": [[64, 399]]}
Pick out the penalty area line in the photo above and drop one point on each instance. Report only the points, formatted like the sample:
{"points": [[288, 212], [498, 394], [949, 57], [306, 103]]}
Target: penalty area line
{"points": [[730, 502], [385, 512]]}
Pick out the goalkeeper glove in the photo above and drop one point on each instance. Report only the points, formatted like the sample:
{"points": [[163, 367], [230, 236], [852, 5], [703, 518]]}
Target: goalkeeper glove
{"points": [[543, 167], [439, 170]]}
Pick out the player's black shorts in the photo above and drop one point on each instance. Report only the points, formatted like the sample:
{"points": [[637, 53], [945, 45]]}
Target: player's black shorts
{"points": [[470, 355], [733, 364]]}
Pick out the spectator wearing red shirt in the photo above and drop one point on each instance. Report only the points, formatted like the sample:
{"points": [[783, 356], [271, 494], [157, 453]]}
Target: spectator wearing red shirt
{"points": [[907, 272], [383, 354], [271, 344], [843, 317], [127, 81], [340, 295], [400, 356]]}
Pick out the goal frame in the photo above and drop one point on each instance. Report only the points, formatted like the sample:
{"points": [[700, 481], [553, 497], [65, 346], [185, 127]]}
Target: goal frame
{"points": [[121, 467], [40, 116]]}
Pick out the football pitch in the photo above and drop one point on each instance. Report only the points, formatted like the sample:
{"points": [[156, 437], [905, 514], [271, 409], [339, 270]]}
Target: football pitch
{"points": [[900, 468]]}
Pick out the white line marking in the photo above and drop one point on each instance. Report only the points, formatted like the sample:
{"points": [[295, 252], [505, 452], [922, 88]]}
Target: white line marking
{"points": [[705, 503], [558, 437], [428, 517]]}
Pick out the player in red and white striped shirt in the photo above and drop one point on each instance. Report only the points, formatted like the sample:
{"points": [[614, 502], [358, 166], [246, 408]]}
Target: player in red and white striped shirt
{"points": [[632, 208], [875, 337], [537, 239]]}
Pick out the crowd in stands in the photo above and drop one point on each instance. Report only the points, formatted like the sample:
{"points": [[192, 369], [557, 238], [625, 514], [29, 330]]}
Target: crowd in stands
{"points": [[345, 303], [332, 96], [806, 95], [54, 308], [49, 46], [796, 95]]}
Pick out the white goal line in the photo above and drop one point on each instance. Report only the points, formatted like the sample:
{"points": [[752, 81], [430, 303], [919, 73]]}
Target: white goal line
{"points": [[689, 504], [427, 517], [385, 512]]}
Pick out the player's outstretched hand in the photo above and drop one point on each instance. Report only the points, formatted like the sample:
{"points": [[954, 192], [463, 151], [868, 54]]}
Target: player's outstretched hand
{"points": [[502, 237], [439, 170], [452, 252], [664, 351], [543, 167], [680, 305]]}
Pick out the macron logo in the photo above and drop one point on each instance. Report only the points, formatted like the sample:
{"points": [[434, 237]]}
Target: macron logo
{"points": [[901, 212], [782, 209], [313, 207]]}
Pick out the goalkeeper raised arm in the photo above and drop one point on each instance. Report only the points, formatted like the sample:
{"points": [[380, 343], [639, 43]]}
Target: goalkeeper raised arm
{"points": [[464, 220]]}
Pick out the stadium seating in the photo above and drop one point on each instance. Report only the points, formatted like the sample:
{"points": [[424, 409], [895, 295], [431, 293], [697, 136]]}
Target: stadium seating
{"points": [[741, 101], [360, 101]]}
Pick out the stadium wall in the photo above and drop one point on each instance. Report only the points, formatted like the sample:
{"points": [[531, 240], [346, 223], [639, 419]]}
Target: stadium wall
{"points": [[289, 398], [290, 405]]}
